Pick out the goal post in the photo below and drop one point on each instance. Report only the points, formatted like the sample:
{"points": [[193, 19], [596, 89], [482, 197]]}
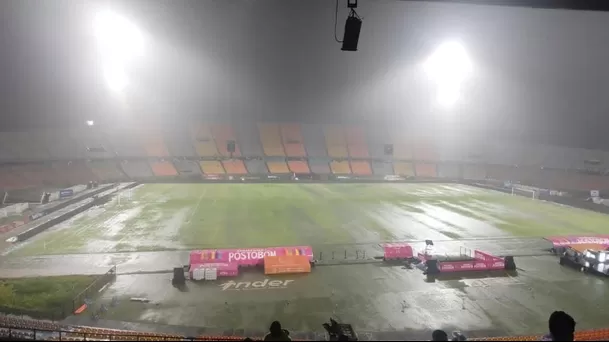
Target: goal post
{"points": [[531, 193]]}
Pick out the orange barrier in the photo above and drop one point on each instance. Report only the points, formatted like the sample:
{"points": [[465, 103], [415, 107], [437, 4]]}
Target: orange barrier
{"points": [[80, 309], [283, 264]]}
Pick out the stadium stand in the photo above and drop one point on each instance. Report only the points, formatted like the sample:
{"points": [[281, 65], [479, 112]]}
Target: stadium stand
{"points": [[403, 169], [320, 165], [74, 172], [234, 167], [402, 144], [212, 167], [163, 168], [277, 166], [223, 133], [378, 137], [425, 170], [107, 170], [61, 145], [356, 142], [187, 167], [248, 139], [25, 146], [314, 142], [424, 149], [137, 169], [126, 143], [9, 179], [271, 140], [449, 170], [500, 172], [340, 167], [95, 145], [335, 141], [204, 142], [382, 168], [154, 144], [37, 174], [298, 166], [292, 140], [179, 143], [473, 171], [360, 167], [256, 166]]}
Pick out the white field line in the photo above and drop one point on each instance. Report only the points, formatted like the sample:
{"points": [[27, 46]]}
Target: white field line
{"points": [[197, 206]]}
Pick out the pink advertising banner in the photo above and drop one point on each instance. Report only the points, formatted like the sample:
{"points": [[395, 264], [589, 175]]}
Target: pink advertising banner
{"points": [[224, 269], [246, 256], [397, 251], [557, 241]]}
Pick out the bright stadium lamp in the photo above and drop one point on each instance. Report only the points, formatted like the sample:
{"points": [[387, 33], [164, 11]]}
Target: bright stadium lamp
{"points": [[448, 96], [116, 79], [119, 39], [90, 123], [449, 64]]}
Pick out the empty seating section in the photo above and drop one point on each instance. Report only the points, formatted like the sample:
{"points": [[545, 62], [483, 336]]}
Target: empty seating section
{"points": [[382, 168], [74, 172], [223, 133], [180, 143], [377, 138], [95, 145], [360, 167], [204, 141], [277, 166], [187, 167], [340, 167], [271, 140], [127, 143], [356, 142], [319, 165], [11, 179], [106, 170], [61, 145], [163, 168], [292, 140], [314, 141], [37, 174], [424, 149], [136, 169], [25, 146], [248, 139], [298, 166], [403, 169], [425, 170], [474, 171], [234, 167], [211, 167], [154, 145], [256, 166], [335, 141], [449, 170]]}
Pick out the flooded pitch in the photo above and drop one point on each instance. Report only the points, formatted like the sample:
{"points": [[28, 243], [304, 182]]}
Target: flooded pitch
{"points": [[149, 230]]}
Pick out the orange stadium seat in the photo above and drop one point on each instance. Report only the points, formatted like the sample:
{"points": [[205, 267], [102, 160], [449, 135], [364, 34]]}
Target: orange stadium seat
{"points": [[278, 167], [425, 170], [234, 167], [356, 142], [403, 169], [298, 166], [271, 140], [335, 141], [223, 133], [292, 140], [204, 142], [360, 168], [154, 145], [211, 167], [163, 168], [340, 167]]}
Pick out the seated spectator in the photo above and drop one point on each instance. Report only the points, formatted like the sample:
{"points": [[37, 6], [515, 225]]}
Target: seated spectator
{"points": [[276, 333], [439, 335], [562, 327]]}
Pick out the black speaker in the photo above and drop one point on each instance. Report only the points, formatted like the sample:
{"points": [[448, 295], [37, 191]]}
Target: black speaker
{"points": [[178, 276], [353, 25], [388, 149], [510, 265], [432, 266], [230, 146]]}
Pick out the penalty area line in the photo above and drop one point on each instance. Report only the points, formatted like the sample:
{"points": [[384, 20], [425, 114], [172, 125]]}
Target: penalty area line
{"points": [[197, 206]]}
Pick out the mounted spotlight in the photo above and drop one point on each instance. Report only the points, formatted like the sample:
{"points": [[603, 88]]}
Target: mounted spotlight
{"points": [[353, 25]]}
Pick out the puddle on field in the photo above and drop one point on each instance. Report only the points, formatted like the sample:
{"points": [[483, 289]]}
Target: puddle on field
{"points": [[405, 225], [459, 224]]}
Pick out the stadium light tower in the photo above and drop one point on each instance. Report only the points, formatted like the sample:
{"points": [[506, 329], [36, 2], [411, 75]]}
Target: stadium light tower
{"points": [[120, 43], [448, 66]]}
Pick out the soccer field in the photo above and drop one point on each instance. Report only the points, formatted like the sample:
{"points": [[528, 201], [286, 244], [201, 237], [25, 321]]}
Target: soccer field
{"points": [[156, 217]]}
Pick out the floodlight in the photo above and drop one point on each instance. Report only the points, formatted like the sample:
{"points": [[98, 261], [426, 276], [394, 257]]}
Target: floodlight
{"points": [[116, 78], [449, 64], [119, 39], [90, 122]]}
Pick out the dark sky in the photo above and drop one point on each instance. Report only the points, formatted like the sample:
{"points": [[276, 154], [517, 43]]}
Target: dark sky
{"points": [[538, 74]]}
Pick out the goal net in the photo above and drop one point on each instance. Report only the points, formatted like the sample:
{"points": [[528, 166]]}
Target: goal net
{"points": [[531, 193]]}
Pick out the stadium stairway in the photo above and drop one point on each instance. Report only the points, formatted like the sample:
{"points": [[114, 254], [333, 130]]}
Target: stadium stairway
{"points": [[204, 142], [404, 169], [320, 165], [256, 166], [187, 167], [277, 166], [107, 170], [248, 139], [212, 167], [291, 135], [298, 166], [234, 167], [271, 140], [137, 169], [163, 169], [335, 142], [360, 168], [356, 142], [314, 141], [340, 167], [223, 133]]}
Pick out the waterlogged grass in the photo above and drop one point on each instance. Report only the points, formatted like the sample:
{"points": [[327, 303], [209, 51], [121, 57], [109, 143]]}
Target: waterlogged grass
{"points": [[188, 216]]}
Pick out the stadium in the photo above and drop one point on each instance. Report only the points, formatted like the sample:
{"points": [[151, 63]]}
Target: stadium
{"points": [[110, 230]]}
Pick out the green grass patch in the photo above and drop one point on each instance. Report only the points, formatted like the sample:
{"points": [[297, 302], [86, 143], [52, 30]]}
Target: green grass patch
{"points": [[42, 297]]}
